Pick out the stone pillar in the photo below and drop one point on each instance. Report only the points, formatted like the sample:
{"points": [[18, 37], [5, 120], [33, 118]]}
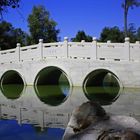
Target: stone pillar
{"points": [[66, 46], [127, 46], [108, 41], [18, 51], [94, 42], [41, 48], [82, 41], [138, 42]]}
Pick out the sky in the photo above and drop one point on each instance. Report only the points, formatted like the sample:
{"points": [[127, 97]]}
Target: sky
{"points": [[71, 16]]}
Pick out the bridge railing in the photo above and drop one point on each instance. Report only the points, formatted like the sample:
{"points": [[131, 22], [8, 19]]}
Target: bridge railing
{"points": [[55, 50], [30, 53], [113, 51], [9, 56], [82, 50], [74, 50], [135, 51]]}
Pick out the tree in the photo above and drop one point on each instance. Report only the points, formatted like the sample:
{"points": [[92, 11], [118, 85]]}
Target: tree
{"points": [[126, 5], [138, 34], [114, 34], [81, 35], [132, 32], [42, 26], [8, 3], [9, 36]]}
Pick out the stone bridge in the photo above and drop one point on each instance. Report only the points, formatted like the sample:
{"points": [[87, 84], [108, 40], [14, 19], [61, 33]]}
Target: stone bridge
{"points": [[74, 63]]}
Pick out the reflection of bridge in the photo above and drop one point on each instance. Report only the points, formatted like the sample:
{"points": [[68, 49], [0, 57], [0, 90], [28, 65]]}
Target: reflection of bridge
{"points": [[36, 117], [78, 64], [28, 109]]}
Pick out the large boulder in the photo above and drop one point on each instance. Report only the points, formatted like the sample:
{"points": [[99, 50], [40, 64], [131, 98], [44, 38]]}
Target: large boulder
{"points": [[90, 122]]}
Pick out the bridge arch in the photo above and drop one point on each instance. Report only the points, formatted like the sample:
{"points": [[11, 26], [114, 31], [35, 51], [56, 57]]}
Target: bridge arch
{"points": [[52, 85], [102, 85], [51, 75], [12, 84]]}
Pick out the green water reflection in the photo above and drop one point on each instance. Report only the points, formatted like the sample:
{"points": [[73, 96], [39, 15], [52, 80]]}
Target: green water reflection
{"points": [[104, 95], [52, 95], [56, 95], [12, 91]]}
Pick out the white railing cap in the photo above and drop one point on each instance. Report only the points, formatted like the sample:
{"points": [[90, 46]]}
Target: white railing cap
{"points": [[65, 38], [40, 40], [82, 41], [127, 39], [18, 44], [137, 42], [94, 39], [108, 41]]}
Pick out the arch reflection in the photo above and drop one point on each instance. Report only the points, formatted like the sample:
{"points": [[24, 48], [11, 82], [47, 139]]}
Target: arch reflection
{"points": [[52, 86], [102, 86], [53, 95], [12, 84]]}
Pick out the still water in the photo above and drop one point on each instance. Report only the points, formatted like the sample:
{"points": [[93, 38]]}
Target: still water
{"points": [[43, 112]]}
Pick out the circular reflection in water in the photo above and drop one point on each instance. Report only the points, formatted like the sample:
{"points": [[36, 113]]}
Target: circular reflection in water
{"points": [[102, 86], [12, 91], [52, 95], [52, 86], [12, 84]]}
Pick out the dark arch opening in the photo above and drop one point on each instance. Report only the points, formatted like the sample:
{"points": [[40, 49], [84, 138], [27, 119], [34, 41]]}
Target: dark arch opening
{"points": [[52, 85], [12, 84], [102, 85]]}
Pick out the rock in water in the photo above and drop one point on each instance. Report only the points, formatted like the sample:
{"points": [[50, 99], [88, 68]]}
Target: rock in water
{"points": [[90, 122], [85, 115]]}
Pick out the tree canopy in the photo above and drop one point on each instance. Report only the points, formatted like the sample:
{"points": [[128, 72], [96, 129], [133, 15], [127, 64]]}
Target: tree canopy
{"points": [[8, 3], [114, 34], [126, 5], [9, 36], [81, 35], [41, 26]]}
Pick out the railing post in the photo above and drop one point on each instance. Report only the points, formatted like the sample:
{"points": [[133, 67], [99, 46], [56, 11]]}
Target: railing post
{"points": [[94, 42], [66, 46], [137, 42], [108, 41], [41, 47], [18, 51], [127, 45]]}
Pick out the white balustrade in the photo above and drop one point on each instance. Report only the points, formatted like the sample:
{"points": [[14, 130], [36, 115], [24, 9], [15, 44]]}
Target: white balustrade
{"points": [[74, 50]]}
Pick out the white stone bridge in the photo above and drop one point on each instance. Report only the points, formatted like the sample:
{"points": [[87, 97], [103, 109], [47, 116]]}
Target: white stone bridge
{"points": [[76, 63]]}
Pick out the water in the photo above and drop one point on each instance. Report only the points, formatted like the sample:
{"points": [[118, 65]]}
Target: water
{"points": [[43, 112]]}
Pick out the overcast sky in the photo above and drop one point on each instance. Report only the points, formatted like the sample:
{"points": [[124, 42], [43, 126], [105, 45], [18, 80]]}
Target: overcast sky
{"points": [[73, 15]]}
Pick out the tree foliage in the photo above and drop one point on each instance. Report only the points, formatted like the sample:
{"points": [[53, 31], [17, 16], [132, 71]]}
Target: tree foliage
{"points": [[8, 3], [132, 32], [9, 36], [42, 26], [138, 34], [114, 34], [81, 35], [126, 5]]}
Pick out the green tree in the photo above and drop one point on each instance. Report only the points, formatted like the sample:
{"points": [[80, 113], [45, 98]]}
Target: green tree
{"points": [[9, 36], [42, 26], [8, 3], [114, 34], [138, 34], [81, 35], [132, 32], [126, 5]]}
